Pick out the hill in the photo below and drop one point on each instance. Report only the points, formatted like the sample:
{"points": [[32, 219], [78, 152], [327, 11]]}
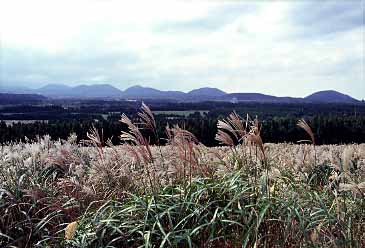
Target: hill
{"points": [[207, 91], [97, 90], [54, 90], [330, 96], [195, 95], [257, 97], [80, 91]]}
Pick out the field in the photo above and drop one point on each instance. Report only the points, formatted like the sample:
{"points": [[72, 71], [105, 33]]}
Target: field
{"points": [[12, 122], [243, 194], [184, 113]]}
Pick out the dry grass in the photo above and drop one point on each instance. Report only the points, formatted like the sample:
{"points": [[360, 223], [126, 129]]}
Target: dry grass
{"points": [[183, 193], [304, 125]]}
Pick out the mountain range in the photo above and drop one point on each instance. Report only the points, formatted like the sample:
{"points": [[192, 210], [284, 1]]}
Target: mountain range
{"points": [[202, 94]]}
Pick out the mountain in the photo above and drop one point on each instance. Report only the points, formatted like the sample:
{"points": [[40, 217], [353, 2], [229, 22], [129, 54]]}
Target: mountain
{"points": [[330, 96], [97, 90], [81, 91], [257, 97], [201, 94], [54, 90], [196, 95], [9, 88], [207, 91], [140, 92]]}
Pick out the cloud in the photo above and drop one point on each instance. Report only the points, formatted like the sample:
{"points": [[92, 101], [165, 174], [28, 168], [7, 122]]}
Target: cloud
{"points": [[212, 21], [36, 67], [281, 48], [327, 17]]}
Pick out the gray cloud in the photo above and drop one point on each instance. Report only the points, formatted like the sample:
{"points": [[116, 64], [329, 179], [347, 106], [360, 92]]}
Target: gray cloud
{"points": [[33, 68], [230, 45], [214, 20], [322, 18]]}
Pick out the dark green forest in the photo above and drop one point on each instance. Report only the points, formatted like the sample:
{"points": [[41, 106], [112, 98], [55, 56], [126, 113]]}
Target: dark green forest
{"points": [[332, 123]]}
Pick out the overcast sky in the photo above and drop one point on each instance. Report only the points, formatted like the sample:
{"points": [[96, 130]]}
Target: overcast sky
{"points": [[282, 48]]}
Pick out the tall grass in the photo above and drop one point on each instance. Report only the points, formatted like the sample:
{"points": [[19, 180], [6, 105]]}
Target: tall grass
{"points": [[243, 194]]}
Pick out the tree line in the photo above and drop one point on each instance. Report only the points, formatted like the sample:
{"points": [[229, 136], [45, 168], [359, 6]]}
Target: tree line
{"points": [[327, 128]]}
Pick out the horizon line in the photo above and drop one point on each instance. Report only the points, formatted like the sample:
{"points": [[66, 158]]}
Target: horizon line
{"points": [[186, 92]]}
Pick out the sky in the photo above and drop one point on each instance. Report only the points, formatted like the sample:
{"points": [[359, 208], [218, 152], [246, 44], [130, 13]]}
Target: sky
{"points": [[284, 48]]}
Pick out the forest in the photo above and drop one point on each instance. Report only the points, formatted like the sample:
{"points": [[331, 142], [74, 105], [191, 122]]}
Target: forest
{"points": [[278, 121]]}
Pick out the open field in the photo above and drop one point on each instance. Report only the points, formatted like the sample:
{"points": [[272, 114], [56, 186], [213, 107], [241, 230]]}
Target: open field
{"points": [[184, 194], [184, 113], [12, 122]]}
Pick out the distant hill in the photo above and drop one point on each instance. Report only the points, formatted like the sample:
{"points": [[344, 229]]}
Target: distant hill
{"points": [[207, 91], [9, 88], [8, 98], [330, 96], [97, 90], [197, 95], [194, 95], [54, 90], [257, 97], [81, 91], [141, 92]]}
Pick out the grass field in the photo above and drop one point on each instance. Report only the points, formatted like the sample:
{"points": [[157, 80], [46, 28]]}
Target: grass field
{"points": [[12, 122], [250, 194], [184, 113]]}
